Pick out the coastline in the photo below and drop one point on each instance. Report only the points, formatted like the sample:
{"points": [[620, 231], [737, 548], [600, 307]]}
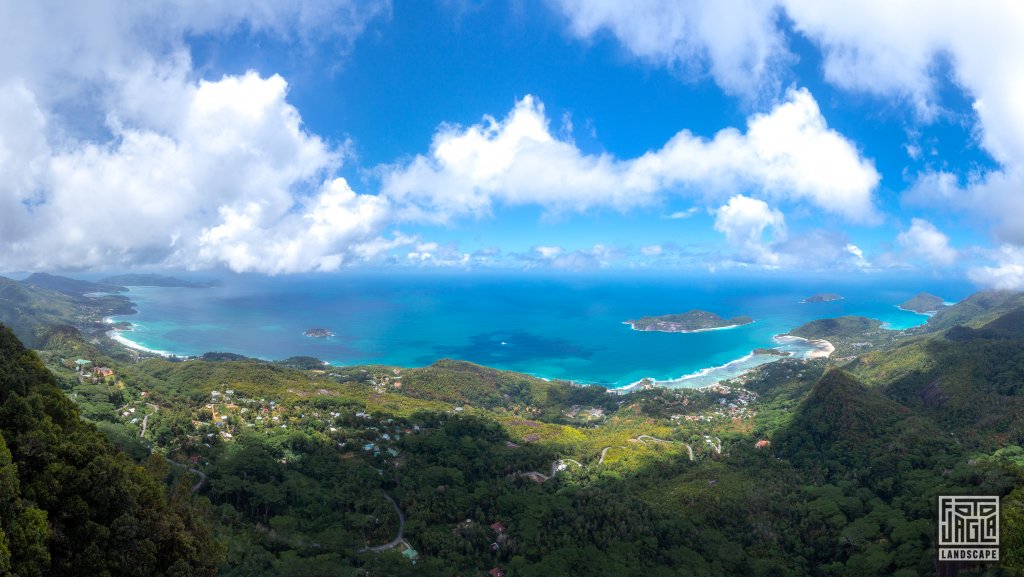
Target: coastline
{"points": [[818, 348], [115, 334], [707, 376], [926, 313]]}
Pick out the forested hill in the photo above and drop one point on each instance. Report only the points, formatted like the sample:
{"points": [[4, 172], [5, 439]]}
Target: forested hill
{"points": [[72, 504], [31, 311], [817, 467]]}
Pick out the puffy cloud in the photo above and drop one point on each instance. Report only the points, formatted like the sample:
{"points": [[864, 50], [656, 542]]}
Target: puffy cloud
{"points": [[59, 48], [548, 251], [743, 221], [435, 254], [1008, 272], [680, 214], [651, 250], [925, 241], [906, 50], [180, 171], [735, 40], [559, 258], [858, 255], [334, 225], [788, 153], [889, 50], [234, 180], [23, 156], [994, 197]]}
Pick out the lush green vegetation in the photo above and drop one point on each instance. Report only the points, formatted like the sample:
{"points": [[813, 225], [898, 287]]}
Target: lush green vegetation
{"points": [[851, 335], [31, 311], [797, 468], [695, 320], [976, 310], [70, 503], [923, 303], [823, 298]]}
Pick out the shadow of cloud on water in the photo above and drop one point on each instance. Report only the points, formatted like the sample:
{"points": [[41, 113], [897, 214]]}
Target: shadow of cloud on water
{"points": [[508, 347]]}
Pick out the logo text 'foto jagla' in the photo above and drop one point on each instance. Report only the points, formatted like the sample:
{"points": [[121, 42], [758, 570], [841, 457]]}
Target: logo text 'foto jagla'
{"points": [[968, 528]]}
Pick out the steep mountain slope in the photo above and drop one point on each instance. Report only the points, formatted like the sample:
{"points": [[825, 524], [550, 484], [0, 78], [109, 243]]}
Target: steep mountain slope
{"points": [[969, 381], [976, 310], [70, 503], [31, 311], [26, 310]]}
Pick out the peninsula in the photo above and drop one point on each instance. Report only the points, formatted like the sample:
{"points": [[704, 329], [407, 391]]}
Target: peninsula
{"points": [[822, 298], [923, 303], [155, 280], [688, 322], [318, 333]]}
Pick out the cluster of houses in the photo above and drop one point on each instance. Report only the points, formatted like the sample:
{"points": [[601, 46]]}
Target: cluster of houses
{"points": [[383, 382], [230, 412], [84, 367], [584, 413], [735, 404]]}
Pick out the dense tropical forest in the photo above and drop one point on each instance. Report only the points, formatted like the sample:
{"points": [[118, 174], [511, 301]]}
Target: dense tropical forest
{"points": [[114, 462]]}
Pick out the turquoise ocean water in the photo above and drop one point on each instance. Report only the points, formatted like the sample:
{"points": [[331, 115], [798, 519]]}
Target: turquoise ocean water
{"points": [[554, 327]]}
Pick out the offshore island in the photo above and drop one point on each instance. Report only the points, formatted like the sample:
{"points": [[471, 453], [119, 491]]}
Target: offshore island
{"points": [[318, 333], [689, 322], [923, 303], [822, 298]]}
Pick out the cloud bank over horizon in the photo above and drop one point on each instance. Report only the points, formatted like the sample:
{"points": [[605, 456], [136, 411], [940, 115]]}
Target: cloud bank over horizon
{"points": [[116, 150]]}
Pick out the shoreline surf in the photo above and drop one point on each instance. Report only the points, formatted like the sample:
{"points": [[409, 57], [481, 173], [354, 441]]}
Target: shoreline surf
{"points": [[115, 334], [818, 348], [561, 346]]}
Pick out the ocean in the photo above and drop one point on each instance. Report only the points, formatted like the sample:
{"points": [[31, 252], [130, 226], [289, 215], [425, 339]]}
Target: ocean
{"points": [[565, 327]]}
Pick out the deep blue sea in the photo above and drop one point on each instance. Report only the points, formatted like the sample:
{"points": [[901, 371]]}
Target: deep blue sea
{"points": [[568, 327]]}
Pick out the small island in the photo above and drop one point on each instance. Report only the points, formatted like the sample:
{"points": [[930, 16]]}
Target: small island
{"points": [[318, 333], [772, 352], [923, 303], [688, 322], [822, 298]]}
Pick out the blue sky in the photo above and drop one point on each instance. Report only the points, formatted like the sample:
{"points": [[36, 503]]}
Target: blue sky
{"points": [[852, 138]]}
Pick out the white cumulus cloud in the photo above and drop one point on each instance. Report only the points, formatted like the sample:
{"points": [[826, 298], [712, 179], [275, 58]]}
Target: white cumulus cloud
{"points": [[743, 221], [894, 50], [736, 41], [925, 241], [1008, 272], [786, 154], [113, 152]]}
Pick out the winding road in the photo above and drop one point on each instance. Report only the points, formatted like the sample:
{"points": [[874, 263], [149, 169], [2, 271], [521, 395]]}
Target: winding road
{"points": [[398, 538], [604, 452], [202, 475]]}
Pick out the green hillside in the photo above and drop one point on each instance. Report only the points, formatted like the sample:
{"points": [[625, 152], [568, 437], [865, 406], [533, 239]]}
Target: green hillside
{"points": [[30, 310], [71, 504], [797, 468]]}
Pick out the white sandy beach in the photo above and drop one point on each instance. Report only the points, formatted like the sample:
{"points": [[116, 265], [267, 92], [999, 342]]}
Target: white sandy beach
{"points": [[116, 335], [631, 325], [816, 349]]}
